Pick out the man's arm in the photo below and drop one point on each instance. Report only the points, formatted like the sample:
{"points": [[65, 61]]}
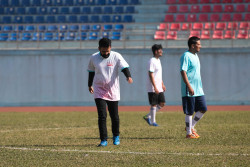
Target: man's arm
{"points": [[151, 77], [90, 81], [126, 72], [185, 79]]}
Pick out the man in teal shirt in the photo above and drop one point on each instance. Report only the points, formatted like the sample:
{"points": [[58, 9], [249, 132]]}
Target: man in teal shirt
{"points": [[193, 98]]}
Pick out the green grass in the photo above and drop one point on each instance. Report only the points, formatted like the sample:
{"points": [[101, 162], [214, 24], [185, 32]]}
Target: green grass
{"points": [[70, 139]]}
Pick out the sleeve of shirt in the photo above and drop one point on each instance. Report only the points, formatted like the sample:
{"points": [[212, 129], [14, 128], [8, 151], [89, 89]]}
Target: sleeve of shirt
{"points": [[91, 67], [184, 63], [122, 63], [151, 66]]}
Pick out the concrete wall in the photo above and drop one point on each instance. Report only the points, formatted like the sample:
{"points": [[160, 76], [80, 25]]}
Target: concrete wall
{"points": [[59, 77]]}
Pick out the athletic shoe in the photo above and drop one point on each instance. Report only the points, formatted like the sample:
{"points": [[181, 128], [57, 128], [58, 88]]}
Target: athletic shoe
{"points": [[191, 136], [148, 120], [103, 143], [154, 124], [116, 140], [194, 131]]}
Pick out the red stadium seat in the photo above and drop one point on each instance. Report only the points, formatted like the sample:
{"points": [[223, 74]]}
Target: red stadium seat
{"points": [[214, 17], [162, 26], [247, 17], [197, 26], [206, 9], [191, 18], [217, 8], [160, 35], [169, 18], [242, 34], [195, 33], [237, 1], [220, 26], [247, 1], [186, 26], [237, 17], [172, 35], [232, 26], [205, 34], [180, 18], [244, 25], [226, 17], [209, 26], [183, 9], [226, 1], [229, 34], [193, 2], [240, 8], [205, 1], [215, 1], [229, 8], [203, 18], [175, 26], [218, 34], [172, 9], [195, 9], [171, 1], [248, 8], [182, 1]]}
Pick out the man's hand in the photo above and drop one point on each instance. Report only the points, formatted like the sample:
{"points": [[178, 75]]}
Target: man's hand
{"points": [[190, 91], [164, 88], [130, 80], [156, 91], [91, 90]]}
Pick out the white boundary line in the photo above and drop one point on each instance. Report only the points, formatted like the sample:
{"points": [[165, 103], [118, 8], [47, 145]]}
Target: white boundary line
{"points": [[119, 152]]}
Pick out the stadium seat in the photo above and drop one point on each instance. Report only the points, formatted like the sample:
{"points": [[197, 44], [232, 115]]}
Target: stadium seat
{"points": [[172, 9], [69, 3], [229, 34], [84, 19], [61, 19], [30, 28], [20, 11], [247, 17], [14, 37], [7, 28], [32, 11], [171, 1], [107, 27], [101, 2], [117, 19], [183, 9], [242, 34], [48, 36], [4, 3], [73, 19], [1, 11], [229, 8], [97, 10], [107, 10], [217, 9], [53, 10], [82, 36], [119, 9], [6, 19], [195, 33], [128, 18], [180, 18], [182, 2], [237, 17], [209, 26], [134, 2], [14, 3], [70, 36], [96, 27], [94, 19], [10, 11], [112, 2], [26, 36], [240, 8], [204, 1], [226, 17], [28, 19], [90, 2], [186, 26], [160, 35], [123, 2], [215, 1], [172, 35], [130, 9], [85, 28], [79, 2], [116, 36], [18, 19], [220, 26], [63, 28], [214, 17], [217, 34], [42, 11], [105, 34], [76, 10], [169, 18], [226, 1], [64, 10], [195, 9], [86, 10], [52, 28], [93, 36], [244, 25], [162, 26], [191, 18], [203, 18], [193, 1], [47, 2], [58, 2], [197, 26], [4, 36], [50, 19], [237, 1], [18, 28], [205, 34], [175, 27], [36, 3], [248, 8], [73, 28], [42, 28], [59, 37], [206, 9], [37, 36], [119, 27], [232, 26]]}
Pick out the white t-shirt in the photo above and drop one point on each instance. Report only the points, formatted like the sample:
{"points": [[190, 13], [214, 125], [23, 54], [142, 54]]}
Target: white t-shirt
{"points": [[154, 66], [106, 81]]}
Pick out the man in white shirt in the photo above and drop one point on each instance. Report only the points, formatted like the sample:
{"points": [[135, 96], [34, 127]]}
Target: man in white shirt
{"points": [[104, 67], [155, 85]]}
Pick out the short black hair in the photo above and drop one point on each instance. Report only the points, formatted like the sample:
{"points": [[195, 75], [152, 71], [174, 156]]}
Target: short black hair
{"points": [[105, 43], [192, 40], [156, 47]]}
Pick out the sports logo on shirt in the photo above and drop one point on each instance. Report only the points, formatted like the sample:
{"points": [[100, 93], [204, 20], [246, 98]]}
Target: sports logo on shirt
{"points": [[109, 64]]}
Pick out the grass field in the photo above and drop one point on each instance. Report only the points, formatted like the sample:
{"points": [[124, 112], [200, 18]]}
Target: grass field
{"points": [[70, 139]]}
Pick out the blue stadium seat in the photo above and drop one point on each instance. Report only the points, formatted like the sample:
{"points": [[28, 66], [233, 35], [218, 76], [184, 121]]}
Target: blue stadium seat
{"points": [[130, 9], [52, 28], [18, 19], [4, 3], [63, 28], [79, 2], [82, 36], [134, 2], [36, 3], [20, 11], [47, 2], [128, 18], [76, 10], [39, 19], [14, 3], [28, 19], [6, 20], [116, 36], [119, 27], [94, 19], [54, 10], [108, 10], [90, 2], [18, 28], [70, 36], [32, 10], [72, 19], [51, 19], [26, 36], [117, 19], [25, 3], [48, 36], [86, 10], [73, 28], [61, 19], [30, 28], [37, 36], [105, 34], [10, 11], [97, 10], [64, 10], [58, 2], [4, 36], [119, 9], [106, 18], [1, 11], [69, 2], [7, 28], [93, 36], [101, 2], [85, 28], [96, 27], [123, 2], [41, 28], [84, 19], [14, 37], [107, 27], [112, 2], [42, 11], [59, 37]]}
